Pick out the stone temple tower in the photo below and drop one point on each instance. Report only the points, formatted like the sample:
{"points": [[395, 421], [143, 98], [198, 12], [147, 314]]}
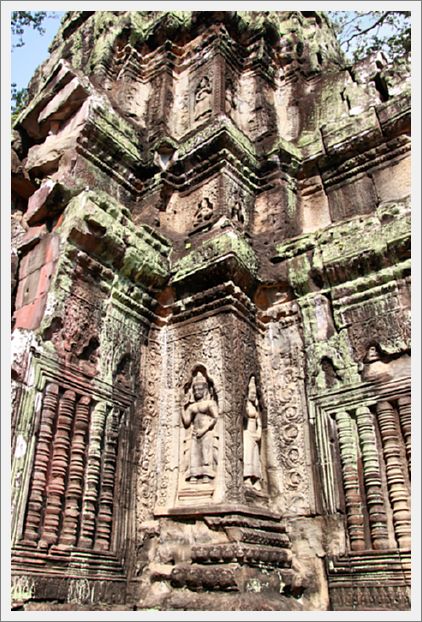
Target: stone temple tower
{"points": [[211, 331]]}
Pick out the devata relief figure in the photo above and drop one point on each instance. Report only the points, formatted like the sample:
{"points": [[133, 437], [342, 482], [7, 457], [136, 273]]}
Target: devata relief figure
{"points": [[200, 417], [203, 212], [203, 98], [252, 438]]}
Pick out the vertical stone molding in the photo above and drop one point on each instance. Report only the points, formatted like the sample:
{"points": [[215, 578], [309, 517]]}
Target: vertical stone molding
{"points": [[397, 489], [93, 475], [405, 406], [372, 478], [59, 467], [348, 454], [38, 493], [73, 497]]}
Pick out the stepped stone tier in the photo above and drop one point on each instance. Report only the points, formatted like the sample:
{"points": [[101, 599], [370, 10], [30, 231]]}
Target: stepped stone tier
{"points": [[211, 319]]}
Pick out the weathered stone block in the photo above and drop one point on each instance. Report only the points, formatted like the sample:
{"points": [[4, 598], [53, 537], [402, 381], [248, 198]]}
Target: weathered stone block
{"points": [[358, 196], [393, 182]]}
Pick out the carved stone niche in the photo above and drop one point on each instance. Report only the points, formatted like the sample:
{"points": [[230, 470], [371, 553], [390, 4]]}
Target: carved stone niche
{"points": [[201, 437], [254, 464], [188, 213], [160, 102], [260, 117], [231, 101], [203, 95], [203, 216], [224, 202], [238, 202]]}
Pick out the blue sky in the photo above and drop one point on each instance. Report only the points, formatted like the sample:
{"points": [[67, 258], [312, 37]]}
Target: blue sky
{"points": [[26, 59]]}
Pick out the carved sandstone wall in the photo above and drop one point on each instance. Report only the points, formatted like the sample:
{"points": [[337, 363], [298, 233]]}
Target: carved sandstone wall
{"points": [[211, 319]]}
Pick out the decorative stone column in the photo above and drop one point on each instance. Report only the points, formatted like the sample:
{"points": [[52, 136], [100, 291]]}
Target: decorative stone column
{"points": [[59, 466], [37, 493], [73, 497], [93, 473], [348, 454], [397, 489], [372, 479], [405, 406]]}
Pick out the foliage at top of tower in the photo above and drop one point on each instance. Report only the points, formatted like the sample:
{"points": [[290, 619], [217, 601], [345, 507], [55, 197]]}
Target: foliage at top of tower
{"points": [[20, 20], [363, 32]]}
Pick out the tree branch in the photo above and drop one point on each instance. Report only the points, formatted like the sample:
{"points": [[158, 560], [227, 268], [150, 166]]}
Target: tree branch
{"points": [[378, 22]]}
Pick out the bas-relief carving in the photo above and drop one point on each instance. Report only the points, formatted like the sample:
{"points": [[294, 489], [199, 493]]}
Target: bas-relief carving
{"points": [[181, 120], [289, 456], [203, 213], [187, 213], [134, 99], [155, 100], [260, 115], [378, 366], [76, 336], [149, 408], [237, 202], [179, 351], [200, 424], [240, 361], [252, 432], [230, 98], [330, 364], [382, 318], [199, 419], [202, 100]]}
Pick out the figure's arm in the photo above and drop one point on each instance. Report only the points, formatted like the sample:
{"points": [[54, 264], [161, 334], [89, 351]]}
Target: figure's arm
{"points": [[258, 433], [187, 416], [214, 414]]}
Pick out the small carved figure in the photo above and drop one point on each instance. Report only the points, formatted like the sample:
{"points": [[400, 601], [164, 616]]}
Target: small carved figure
{"points": [[201, 416], [237, 200], [202, 97], [203, 212], [203, 89], [374, 368], [237, 212], [252, 438], [332, 377]]}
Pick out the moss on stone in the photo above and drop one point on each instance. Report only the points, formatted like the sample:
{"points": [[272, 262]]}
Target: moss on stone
{"points": [[213, 250]]}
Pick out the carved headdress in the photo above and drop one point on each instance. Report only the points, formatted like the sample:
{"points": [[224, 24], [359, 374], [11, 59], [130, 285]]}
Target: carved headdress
{"points": [[199, 379]]}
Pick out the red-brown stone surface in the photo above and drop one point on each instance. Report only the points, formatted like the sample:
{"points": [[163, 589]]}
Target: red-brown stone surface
{"points": [[211, 319]]}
